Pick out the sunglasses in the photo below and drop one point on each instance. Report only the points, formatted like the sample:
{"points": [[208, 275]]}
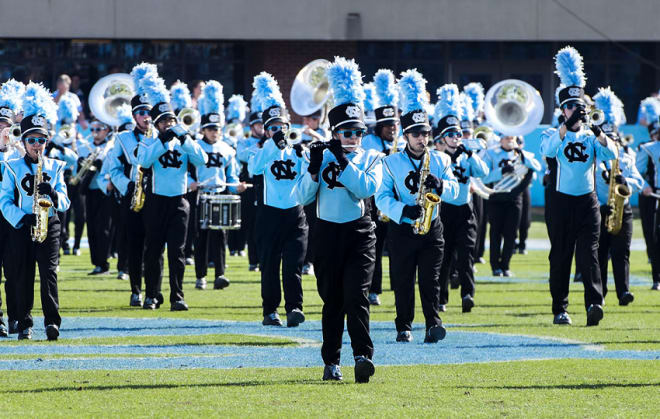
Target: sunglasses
{"points": [[417, 134], [571, 106], [275, 128], [33, 140], [348, 133], [97, 129], [142, 112], [453, 134]]}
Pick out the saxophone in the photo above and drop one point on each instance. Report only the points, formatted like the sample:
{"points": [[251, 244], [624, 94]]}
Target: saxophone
{"points": [[137, 201], [40, 205], [616, 198], [427, 200], [85, 166], [395, 148]]}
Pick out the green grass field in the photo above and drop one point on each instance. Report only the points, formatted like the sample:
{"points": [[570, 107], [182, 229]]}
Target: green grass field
{"points": [[539, 388]]}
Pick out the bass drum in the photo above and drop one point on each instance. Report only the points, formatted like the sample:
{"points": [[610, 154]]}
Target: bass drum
{"points": [[219, 212]]}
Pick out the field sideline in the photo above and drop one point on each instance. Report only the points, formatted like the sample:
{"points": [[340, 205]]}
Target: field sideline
{"points": [[540, 387]]}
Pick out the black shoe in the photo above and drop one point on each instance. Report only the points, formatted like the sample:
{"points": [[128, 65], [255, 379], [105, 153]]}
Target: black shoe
{"points": [[253, 268], [25, 334], [150, 304], [13, 327], [3, 331], [136, 300], [98, 271], [655, 286], [497, 272], [435, 334], [66, 251], [404, 336], [52, 332], [594, 314], [626, 299], [522, 251], [373, 298], [454, 282], [577, 277], [220, 283], [468, 303], [442, 308], [272, 319], [562, 318], [507, 273], [294, 318], [179, 306], [76, 252], [332, 373], [364, 369]]}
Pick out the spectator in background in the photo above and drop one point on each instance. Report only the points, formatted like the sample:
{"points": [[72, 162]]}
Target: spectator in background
{"points": [[64, 88], [196, 88]]}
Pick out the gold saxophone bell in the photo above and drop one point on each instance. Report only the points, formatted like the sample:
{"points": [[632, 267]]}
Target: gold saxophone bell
{"points": [[616, 199], [427, 200]]}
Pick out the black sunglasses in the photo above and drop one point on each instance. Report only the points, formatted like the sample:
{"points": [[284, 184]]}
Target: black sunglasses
{"points": [[453, 134], [417, 134], [32, 140], [572, 105], [142, 112], [97, 129], [348, 133], [275, 128]]}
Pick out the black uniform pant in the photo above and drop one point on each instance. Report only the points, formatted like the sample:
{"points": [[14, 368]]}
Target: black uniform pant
{"points": [[64, 223], [481, 230], [415, 254], [134, 236], [20, 263], [310, 217], [460, 234], [99, 209], [193, 222], [79, 213], [647, 209], [119, 234], [282, 239], [248, 220], [165, 222], [504, 217], [5, 254], [525, 218], [203, 248], [344, 258], [479, 219], [618, 247], [575, 221], [381, 240]]}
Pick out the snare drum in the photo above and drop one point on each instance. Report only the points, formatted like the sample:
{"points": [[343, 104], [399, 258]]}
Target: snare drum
{"points": [[219, 212]]}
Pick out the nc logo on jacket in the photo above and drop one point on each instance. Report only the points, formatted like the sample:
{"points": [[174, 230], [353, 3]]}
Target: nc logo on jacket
{"points": [[459, 172], [27, 183], [330, 175], [214, 160], [504, 163], [170, 159], [575, 152], [412, 182], [283, 170]]}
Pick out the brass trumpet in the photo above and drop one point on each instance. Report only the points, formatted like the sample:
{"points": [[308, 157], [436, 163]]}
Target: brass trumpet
{"points": [[189, 118]]}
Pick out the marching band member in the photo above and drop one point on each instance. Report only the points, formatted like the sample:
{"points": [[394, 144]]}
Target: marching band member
{"points": [[244, 149], [221, 168], [95, 188], [504, 208], [615, 244], [166, 210], [457, 215], [398, 198], [11, 93], [282, 229], [236, 114], [341, 176], [124, 173], [16, 203], [575, 216], [385, 140], [646, 162]]}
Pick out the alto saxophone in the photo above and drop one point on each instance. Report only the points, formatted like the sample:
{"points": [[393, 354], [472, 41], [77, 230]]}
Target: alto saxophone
{"points": [[85, 167], [40, 205], [616, 199], [427, 200], [137, 201]]}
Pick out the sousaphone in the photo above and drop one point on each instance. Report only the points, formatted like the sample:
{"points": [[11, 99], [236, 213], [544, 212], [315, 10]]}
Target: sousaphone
{"points": [[108, 94]]}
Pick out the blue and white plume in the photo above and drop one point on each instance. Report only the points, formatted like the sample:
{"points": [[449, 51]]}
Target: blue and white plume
{"points": [[11, 94], [476, 92], [467, 111], [67, 111], [345, 82], [412, 86], [125, 114], [569, 67], [267, 91], [213, 99], [139, 72], [386, 88], [236, 108], [181, 97], [449, 102], [37, 100], [650, 109], [155, 89], [610, 104], [370, 99]]}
